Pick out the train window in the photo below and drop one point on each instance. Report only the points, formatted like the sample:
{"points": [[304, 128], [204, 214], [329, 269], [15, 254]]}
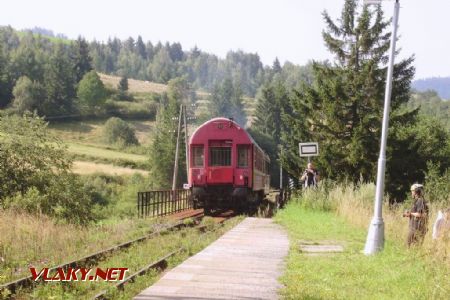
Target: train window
{"points": [[259, 161], [220, 156], [242, 156], [197, 156]]}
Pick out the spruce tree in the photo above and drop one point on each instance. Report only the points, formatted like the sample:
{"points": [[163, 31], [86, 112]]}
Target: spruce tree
{"points": [[123, 85], [81, 58], [226, 101], [59, 83], [272, 102], [140, 48], [276, 67], [342, 109], [164, 144], [267, 126], [5, 92]]}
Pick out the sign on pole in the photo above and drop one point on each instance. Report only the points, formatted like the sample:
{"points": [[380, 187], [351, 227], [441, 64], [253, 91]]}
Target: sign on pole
{"points": [[308, 149]]}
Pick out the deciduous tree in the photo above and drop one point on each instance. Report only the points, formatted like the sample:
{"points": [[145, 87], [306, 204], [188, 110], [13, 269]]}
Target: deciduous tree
{"points": [[91, 91]]}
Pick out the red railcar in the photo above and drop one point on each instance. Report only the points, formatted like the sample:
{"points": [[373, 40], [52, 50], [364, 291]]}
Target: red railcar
{"points": [[227, 167]]}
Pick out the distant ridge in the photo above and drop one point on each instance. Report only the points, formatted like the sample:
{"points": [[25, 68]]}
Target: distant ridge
{"points": [[440, 84]]}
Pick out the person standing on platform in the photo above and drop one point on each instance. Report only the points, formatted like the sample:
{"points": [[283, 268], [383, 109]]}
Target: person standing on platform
{"points": [[310, 176], [418, 216]]}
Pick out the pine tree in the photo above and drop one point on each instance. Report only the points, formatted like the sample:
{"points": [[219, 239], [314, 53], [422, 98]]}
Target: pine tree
{"points": [[129, 45], [272, 103], [276, 67], [164, 144], [5, 93], [81, 58], [27, 59], [226, 101], [59, 83], [123, 84], [342, 109], [140, 48]]}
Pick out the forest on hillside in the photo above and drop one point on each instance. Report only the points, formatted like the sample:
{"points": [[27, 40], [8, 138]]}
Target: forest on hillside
{"points": [[338, 103]]}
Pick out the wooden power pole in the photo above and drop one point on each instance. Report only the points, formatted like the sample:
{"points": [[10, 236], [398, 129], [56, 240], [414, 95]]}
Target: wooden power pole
{"points": [[175, 168], [186, 142]]}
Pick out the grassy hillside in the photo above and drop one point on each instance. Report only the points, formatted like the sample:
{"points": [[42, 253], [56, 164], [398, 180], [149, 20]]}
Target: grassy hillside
{"points": [[86, 167], [134, 86], [85, 141], [91, 131]]}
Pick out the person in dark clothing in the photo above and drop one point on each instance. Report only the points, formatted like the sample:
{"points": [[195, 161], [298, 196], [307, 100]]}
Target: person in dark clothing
{"points": [[418, 216], [311, 176]]}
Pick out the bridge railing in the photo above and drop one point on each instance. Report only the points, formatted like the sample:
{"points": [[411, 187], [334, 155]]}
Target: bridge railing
{"points": [[162, 203]]}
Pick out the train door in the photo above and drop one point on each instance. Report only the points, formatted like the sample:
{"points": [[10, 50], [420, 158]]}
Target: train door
{"points": [[197, 165], [220, 168], [242, 172]]}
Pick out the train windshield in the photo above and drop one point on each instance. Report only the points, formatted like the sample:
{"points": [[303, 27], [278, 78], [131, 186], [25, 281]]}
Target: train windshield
{"points": [[220, 156]]}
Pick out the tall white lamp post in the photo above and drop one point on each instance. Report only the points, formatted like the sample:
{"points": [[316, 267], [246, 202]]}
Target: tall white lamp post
{"points": [[375, 236]]}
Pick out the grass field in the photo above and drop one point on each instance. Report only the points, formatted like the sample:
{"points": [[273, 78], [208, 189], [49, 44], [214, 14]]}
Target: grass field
{"points": [[134, 86], [91, 131], [395, 273], [86, 167], [95, 151], [84, 140]]}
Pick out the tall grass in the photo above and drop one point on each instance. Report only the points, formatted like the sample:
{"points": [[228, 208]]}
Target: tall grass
{"points": [[356, 204], [37, 240], [340, 214]]}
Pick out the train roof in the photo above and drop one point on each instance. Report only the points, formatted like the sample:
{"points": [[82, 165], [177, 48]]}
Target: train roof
{"points": [[209, 123]]}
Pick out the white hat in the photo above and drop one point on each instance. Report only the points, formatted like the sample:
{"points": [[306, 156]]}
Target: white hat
{"points": [[416, 187]]}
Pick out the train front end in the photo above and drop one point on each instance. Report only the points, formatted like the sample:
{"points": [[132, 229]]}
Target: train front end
{"points": [[220, 173]]}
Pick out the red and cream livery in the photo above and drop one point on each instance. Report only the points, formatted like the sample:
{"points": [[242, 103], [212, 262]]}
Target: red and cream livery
{"points": [[227, 167]]}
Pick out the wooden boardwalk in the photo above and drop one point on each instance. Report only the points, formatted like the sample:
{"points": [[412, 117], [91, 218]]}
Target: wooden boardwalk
{"points": [[243, 264]]}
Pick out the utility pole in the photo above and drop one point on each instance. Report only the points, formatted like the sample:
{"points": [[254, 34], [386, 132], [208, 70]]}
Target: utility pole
{"points": [[186, 141], [175, 168], [281, 169], [375, 236]]}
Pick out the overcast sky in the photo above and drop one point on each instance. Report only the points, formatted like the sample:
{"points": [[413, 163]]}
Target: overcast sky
{"points": [[287, 29]]}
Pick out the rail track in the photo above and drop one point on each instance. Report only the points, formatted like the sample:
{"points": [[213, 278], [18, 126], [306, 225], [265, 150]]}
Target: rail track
{"points": [[92, 259], [161, 264]]}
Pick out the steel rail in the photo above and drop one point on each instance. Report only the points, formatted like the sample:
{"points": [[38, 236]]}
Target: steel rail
{"points": [[27, 282], [160, 264]]}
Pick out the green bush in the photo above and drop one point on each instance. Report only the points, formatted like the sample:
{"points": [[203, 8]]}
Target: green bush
{"points": [[437, 185], [114, 197], [35, 173], [136, 110], [117, 131], [65, 199]]}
